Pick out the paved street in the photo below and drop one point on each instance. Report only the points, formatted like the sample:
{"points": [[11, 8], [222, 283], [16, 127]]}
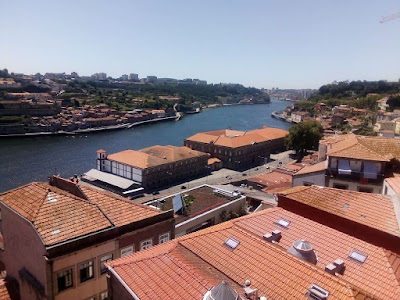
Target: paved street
{"points": [[222, 176]]}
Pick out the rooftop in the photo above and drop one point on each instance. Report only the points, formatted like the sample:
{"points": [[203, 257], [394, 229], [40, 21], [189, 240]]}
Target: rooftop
{"points": [[373, 210], [187, 267], [273, 180], [205, 198], [318, 167], [234, 139], [380, 266], [154, 156], [363, 147], [394, 183], [70, 211]]}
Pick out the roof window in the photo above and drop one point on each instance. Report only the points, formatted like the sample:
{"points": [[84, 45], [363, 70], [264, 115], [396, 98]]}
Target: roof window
{"points": [[231, 243], [55, 231], [357, 256], [284, 223]]}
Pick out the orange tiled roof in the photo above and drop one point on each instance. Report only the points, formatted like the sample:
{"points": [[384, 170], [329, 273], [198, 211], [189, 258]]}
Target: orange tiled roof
{"points": [[394, 183], [362, 147], [233, 139], [271, 179], [187, 267], [59, 216], [154, 156], [318, 167], [379, 275], [373, 210]]}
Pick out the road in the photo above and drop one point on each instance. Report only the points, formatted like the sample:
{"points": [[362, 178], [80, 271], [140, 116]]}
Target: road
{"points": [[222, 176]]}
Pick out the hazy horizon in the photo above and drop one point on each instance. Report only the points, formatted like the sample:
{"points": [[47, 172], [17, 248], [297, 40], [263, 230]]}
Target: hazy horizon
{"points": [[260, 43]]}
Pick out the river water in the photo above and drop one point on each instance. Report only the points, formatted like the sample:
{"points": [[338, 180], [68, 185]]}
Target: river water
{"points": [[24, 160]]}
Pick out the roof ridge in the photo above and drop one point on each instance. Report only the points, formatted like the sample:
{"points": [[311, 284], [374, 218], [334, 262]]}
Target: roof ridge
{"points": [[41, 186]]}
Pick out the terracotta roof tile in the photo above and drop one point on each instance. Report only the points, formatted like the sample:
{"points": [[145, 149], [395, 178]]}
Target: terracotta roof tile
{"points": [[59, 216], [234, 139], [154, 156], [394, 183], [330, 245], [318, 167], [197, 262], [378, 210], [362, 147]]}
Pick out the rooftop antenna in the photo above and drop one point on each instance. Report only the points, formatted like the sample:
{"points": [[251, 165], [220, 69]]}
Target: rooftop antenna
{"points": [[390, 18]]}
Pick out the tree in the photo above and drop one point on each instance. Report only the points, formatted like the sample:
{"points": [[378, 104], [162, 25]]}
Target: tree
{"points": [[304, 136]]}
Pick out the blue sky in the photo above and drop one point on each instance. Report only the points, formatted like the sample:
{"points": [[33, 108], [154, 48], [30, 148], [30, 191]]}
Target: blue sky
{"points": [[285, 44]]}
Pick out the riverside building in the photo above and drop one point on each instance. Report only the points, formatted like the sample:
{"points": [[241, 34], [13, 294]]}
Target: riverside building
{"points": [[154, 166], [239, 149]]}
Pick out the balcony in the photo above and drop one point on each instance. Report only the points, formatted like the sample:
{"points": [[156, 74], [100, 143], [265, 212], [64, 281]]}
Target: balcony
{"points": [[364, 177]]}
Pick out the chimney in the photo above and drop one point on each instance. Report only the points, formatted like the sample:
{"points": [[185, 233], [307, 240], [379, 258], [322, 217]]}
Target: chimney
{"points": [[68, 186], [274, 236], [249, 292], [336, 267]]}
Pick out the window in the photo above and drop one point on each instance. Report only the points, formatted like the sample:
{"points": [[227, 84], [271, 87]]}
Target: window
{"points": [[163, 238], [64, 280], [146, 244], [306, 183], [103, 295], [103, 260], [340, 186], [126, 251], [86, 271], [365, 189], [91, 298]]}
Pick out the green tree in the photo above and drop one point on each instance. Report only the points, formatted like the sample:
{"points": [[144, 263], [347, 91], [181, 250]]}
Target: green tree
{"points": [[304, 136]]}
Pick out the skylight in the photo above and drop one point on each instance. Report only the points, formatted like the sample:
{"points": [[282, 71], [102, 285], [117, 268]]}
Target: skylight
{"points": [[284, 223], [55, 231], [357, 256], [232, 243]]}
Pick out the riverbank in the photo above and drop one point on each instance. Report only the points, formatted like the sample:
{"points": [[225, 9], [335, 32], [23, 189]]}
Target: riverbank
{"points": [[89, 130]]}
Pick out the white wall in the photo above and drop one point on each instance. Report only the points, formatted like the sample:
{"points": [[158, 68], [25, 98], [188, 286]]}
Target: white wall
{"points": [[316, 178], [355, 185]]}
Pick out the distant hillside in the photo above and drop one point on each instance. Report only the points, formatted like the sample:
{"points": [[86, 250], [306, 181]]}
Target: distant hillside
{"points": [[360, 94], [158, 96]]}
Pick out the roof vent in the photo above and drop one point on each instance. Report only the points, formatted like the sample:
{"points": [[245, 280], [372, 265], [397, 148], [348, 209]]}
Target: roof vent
{"points": [[317, 292], [274, 236], [336, 267], [249, 292], [223, 291], [304, 250]]}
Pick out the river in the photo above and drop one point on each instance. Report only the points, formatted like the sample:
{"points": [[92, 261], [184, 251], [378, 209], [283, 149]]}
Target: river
{"points": [[24, 160]]}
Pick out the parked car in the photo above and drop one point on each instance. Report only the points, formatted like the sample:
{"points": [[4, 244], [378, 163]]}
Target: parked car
{"points": [[183, 187]]}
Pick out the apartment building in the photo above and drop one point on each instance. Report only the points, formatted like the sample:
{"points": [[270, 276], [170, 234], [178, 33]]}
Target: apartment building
{"points": [[359, 163], [58, 236]]}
